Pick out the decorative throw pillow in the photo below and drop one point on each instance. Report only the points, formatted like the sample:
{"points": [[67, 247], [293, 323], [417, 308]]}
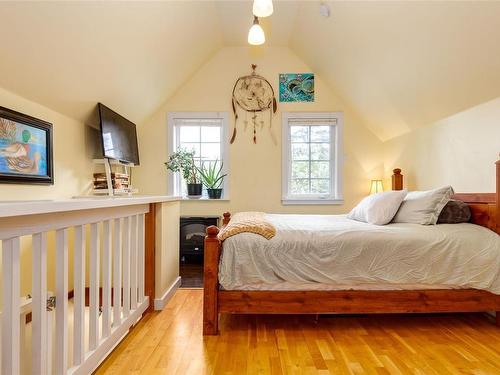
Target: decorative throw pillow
{"points": [[455, 212], [378, 209], [423, 207]]}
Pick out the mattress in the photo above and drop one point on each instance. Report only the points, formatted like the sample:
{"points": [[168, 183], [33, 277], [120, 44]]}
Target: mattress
{"points": [[331, 252]]}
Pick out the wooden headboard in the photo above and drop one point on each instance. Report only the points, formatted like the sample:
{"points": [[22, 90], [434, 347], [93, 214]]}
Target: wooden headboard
{"points": [[485, 207]]}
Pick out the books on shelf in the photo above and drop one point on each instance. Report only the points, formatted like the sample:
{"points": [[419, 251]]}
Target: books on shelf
{"points": [[120, 181]]}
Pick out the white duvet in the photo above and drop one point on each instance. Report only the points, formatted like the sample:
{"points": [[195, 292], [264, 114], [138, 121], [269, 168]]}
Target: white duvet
{"points": [[333, 252]]}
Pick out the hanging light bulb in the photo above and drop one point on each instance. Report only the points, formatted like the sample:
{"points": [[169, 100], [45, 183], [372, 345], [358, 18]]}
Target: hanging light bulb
{"points": [[262, 8], [256, 34]]}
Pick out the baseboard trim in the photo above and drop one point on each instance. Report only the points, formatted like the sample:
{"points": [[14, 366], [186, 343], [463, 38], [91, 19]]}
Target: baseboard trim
{"points": [[160, 303]]}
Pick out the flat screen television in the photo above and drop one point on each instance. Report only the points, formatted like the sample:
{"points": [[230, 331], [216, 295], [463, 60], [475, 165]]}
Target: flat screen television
{"points": [[119, 136]]}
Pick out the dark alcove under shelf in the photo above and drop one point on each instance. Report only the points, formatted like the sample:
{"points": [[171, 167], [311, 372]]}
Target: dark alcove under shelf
{"points": [[192, 235]]}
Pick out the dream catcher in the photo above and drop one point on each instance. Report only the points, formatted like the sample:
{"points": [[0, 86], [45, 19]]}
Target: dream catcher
{"points": [[254, 95]]}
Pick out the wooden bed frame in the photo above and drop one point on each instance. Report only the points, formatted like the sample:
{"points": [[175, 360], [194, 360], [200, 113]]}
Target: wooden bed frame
{"points": [[485, 209]]}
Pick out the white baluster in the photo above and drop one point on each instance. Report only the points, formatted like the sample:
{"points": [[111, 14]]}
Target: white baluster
{"points": [[140, 263], [61, 365], [94, 286], [11, 310], [133, 263], [126, 267], [79, 296], [39, 305], [49, 347], [23, 339], [106, 279], [117, 275]]}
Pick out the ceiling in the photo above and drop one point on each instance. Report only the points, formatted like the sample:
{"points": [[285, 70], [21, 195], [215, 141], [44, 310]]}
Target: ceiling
{"points": [[130, 55], [404, 65], [399, 65], [235, 18]]}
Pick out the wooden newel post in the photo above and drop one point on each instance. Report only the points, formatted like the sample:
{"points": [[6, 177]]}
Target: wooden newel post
{"points": [[397, 179], [211, 284]]}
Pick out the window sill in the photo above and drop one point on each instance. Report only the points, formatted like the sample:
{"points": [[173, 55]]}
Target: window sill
{"points": [[186, 199], [287, 202]]}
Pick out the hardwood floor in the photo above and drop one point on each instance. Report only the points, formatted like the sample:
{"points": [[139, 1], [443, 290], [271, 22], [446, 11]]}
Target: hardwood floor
{"points": [[191, 275], [170, 342]]}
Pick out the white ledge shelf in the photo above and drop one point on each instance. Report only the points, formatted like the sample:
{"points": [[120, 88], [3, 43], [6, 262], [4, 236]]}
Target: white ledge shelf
{"points": [[33, 207], [184, 199]]}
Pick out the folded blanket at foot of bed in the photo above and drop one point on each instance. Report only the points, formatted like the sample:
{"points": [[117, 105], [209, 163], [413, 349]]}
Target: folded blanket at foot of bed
{"points": [[251, 222]]}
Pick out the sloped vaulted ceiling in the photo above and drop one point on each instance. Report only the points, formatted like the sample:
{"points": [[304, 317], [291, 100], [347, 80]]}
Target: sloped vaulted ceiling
{"points": [[399, 65], [129, 55], [404, 65]]}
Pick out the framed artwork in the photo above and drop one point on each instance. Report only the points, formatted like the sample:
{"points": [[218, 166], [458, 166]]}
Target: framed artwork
{"points": [[296, 87], [25, 149]]}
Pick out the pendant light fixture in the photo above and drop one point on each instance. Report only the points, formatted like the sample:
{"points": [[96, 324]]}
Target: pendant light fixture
{"points": [[256, 35], [262, 8]]}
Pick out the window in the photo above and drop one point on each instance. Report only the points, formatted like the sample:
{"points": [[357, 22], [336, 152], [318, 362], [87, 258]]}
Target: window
{"points": [[312, 152], [205, 134]]}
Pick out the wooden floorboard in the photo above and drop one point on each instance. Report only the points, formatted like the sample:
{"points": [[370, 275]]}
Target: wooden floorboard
{"points": [[191, 275], [170, 342]]}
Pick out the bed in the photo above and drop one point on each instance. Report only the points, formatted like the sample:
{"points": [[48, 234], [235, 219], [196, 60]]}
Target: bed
{"points": [[256, 276]]}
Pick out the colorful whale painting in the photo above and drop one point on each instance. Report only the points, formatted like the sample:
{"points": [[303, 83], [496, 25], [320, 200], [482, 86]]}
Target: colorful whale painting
{"points": [[296, 87]]}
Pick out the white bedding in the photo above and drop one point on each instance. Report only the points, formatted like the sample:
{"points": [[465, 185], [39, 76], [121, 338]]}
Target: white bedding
{"points": [[333, 252]]}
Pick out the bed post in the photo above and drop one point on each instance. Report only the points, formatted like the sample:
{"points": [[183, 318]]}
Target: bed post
{"points": [[227, 218], [211, 284], [397, 179]]}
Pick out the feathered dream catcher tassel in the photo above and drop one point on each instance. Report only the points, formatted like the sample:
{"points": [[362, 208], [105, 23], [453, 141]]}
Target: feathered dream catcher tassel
{"points": [[254, 94]]}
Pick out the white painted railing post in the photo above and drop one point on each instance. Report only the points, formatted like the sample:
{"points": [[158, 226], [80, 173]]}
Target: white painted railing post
{"points": [[94, 287], [117, 274], [106, 279], [126, 267], [61, 365], [79, 296], [11, 309], [141, 256], [39, 305], [133, 263]]}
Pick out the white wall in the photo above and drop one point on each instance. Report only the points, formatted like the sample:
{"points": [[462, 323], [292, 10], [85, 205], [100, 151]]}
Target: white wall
{"points": [[72, 166], [72, 175], [167, 247], [460, 150], [255, 170]]}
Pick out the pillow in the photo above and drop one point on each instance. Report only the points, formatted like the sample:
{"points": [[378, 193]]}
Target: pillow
{"points": [[423, 207], [455, 212], [378, 209]]}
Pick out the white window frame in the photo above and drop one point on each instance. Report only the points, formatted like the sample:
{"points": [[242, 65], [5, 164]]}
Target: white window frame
{"points": [[336, 121], [173, 134]]}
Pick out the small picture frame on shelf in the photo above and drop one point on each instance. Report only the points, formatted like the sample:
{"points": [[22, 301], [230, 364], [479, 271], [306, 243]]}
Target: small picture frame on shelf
{"points": [[26, 150]]}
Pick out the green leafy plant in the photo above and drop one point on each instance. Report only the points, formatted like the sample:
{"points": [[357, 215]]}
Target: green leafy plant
{"points": [[183, 161], [212, 176]]}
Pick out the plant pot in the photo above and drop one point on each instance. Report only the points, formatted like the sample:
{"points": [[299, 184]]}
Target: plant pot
{"points": [[214, 193], [194, 190]]}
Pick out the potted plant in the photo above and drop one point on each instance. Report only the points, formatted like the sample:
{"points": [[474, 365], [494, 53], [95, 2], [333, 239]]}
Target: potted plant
{"points": [[183, 161], [213, 178]]}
